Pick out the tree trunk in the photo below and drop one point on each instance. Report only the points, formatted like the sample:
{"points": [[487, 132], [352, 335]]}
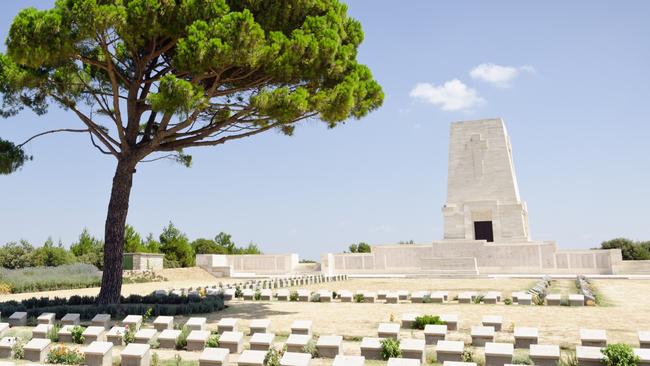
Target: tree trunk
{"points": [[118, 208]]}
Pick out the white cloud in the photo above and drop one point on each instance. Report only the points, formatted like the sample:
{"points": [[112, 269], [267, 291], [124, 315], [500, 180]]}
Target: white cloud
{"points": [[499, 75], [453, 95]]}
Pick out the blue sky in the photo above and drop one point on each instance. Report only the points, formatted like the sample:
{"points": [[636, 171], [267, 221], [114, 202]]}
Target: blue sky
{"points": [[570, 79]]}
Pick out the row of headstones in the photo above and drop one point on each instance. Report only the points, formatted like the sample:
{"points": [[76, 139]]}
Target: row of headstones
{"points": [[273, 283], [491, 297], [583, 285], [540, 289], [330, 346]]}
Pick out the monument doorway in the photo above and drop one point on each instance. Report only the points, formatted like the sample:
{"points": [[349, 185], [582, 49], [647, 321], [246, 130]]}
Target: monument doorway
{"points": [[483, 231]]}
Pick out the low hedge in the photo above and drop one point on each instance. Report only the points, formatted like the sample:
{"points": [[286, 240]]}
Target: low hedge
{"points": [[131, 305]]}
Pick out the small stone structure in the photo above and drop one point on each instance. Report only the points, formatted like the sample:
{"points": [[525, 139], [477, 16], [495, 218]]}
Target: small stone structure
{"points": [[115, 335], [233, 341], [301, 327], [593, 337], [525, 337], [163, 322], [482, 335], [388, 330], [36, 349], [196, 340], [71, 319], [371, 348], [589, 356], [251, 358], [296, 342], [167, 338], [259, 326], [99, 354], [17, 319], [143, 261], [329, 346], [295, 359], [136, 354], [434, 333], [449, 351], [545, 354], [413, 348], [261, 341], [214, 357], [342, 360], [498, 354]]}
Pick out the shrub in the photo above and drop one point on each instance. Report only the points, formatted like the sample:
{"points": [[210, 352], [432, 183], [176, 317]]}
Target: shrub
{"points": [[310, 348], [426, 299], [212, 341], [155, 359], [468, 355], [238, 292], [18, 349], [134, 304], [5, 288], [478, 299], [421, 321], [77, 334], [65, 355], [258, 295], [51, 278], [181, 341], [315, 297], [293, 296], [272, 358], [507, 301], [522, 360], [53, 333], [538, 300], [619, 355], [129, 334], [390, 348], [570, 359], [358, 298]]}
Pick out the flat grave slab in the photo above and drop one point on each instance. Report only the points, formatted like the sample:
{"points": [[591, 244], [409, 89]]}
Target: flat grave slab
{"points": [[451, 320], [295, 359], [342, 360], [329, 346], [371, 348], [136, 354], [259, 326], [41, 330], [36, 349], [227, 325], [408, 319], [388, 330], [101, 320], [145, 335], [94, 333], [450, 351], [525, 336], [544, 354], [434, 333], [553, 299], [214, 357], [296, 342], [196, 323], [576, 300], [132, 321], [17, 319], [99, 354], [167, 338], [163, 322], [589, 356], [71, 319], [196, 340], [498, 354], [593, 337], [251, 358], [7, 346], [413, 348], [494, 321], [115, 335], [481, 335], [233, 341], [46, 318], [402, 362], [644, 339], [261, 341], [301, 327]]}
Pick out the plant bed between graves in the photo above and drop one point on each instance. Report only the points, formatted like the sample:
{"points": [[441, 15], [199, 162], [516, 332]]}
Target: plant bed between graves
{"points": [[132, 305]]}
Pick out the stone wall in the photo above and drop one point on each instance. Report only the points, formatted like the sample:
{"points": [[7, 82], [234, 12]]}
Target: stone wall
{"points": [[632, 267], [466, 257], [265, 264]]}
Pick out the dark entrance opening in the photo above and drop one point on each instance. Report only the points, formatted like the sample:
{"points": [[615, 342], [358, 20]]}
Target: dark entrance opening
{"points": [[483, 230]]}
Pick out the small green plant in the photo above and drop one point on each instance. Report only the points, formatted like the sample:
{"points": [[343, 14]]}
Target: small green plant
{"points": [[65, 355], [390, 348], [478, 299], [272, 358], [358, 298], [310, 348], [154, 343], [538, 300], [569, 359], [147, 315], [155, 359], [18, 349], [258, 295], [315, 297], [238, 292], [181, 341], [212, 341], [619, 354], [426, 299], [518, 359], [507, 301], [468, 355], [76, 333], [335, 295], [53, 333], [421, 321], [293, 296], [129, 334]]}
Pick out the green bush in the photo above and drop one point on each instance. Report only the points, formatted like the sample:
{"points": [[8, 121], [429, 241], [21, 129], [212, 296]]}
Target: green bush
{"points": [[53, 334], [522, 360], [468, 355], [181, 341], [258, 295], [315, 297], [619, 355], [212, 341], [293, 296], [358, 298], [134, 305], [310, 348], [478, 299], [65, 355], [421, 321], [77, 334], [390, 348], [507, 301], [272, 358], [129, 334], [18, 349]]}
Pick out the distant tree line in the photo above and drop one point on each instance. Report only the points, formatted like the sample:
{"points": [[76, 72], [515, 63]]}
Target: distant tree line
{"points": [[179, 251], [632, 250]]}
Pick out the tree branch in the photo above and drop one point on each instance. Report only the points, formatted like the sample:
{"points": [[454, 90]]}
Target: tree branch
{"points": [[52, 131]]}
